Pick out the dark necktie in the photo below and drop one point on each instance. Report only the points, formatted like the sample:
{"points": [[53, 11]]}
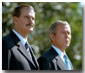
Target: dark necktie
{"points": [[67, 62], [28, 49]]}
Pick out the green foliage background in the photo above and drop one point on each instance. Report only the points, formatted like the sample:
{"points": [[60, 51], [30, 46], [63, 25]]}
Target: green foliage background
{"points": [[46, 14]]}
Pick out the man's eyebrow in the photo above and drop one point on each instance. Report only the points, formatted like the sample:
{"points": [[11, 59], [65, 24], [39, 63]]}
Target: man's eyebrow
{"points": [[29, 16]]}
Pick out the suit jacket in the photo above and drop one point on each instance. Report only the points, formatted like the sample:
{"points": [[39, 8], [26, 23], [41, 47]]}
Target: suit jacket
{"points": [[15, 56], [50, 60]]}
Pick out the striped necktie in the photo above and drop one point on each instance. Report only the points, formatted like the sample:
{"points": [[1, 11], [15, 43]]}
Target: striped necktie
{"points": [[67, 62], [28, 49]]}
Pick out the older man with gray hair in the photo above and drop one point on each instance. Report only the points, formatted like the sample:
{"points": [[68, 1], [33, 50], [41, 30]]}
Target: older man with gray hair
{"points": [[56, 58]]}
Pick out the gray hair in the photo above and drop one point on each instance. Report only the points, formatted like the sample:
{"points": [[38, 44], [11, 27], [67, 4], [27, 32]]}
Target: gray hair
{"points": [[53, 27]]}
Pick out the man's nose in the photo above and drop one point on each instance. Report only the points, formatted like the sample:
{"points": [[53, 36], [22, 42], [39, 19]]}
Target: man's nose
{"points": [[66, 35], [31, 21]]}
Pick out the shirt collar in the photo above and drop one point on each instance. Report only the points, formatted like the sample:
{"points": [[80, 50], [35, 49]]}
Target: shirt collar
{"points": [[20, 37], [60, 53]]}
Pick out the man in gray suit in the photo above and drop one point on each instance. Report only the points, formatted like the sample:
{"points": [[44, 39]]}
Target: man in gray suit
{"points": [[17, 53], [56, 58]]}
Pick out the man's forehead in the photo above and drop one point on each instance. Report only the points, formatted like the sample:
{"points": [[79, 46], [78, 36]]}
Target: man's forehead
{"points": [[28, 12], [64, 25], [67, 28], [27, 9]]}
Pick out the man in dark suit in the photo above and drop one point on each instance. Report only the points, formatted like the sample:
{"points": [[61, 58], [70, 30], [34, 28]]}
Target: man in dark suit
{"points": [[17, 53], [56, 58]]}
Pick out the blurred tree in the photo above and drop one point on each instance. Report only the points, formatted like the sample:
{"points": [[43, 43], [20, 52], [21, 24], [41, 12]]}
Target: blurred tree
{"points": [[46, 14]]}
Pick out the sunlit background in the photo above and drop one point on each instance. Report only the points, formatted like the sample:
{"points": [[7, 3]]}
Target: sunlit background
{"points": [[46, 14]]}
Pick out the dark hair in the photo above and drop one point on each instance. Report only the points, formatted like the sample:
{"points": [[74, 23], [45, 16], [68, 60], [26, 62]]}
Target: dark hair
{"points": [[17, 10], [53, 27]]}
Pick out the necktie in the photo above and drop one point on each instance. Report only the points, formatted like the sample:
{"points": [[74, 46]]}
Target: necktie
{"points": [[28, 49], [67, 62]]}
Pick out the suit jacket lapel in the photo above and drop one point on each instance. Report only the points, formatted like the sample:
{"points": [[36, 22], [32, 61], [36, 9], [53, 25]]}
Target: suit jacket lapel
{"points": [[24, 52], [34, 57], [57, 58], [21, 48], [61, 63]]}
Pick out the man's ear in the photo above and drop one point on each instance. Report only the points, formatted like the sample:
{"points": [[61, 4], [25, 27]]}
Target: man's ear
{"points": [[15, 20], [52, 37]]}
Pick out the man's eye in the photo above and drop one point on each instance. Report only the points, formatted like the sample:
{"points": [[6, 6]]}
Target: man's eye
{"points": [[69, 33], [33, 18]]}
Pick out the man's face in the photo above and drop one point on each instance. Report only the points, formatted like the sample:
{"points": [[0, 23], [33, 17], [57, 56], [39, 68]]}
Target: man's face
{"points": [[26, 21], [63, 37]]}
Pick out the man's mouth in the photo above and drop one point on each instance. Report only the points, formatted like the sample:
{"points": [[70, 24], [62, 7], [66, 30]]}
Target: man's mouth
{"points": [[29, 25]]}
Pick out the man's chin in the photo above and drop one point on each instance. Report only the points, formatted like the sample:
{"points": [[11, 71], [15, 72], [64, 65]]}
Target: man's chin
{"points": [[30, 31], [67, 45]]}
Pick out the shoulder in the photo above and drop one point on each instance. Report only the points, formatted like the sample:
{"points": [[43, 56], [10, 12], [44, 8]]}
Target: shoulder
{"points": [[46, 60], [8, 41], [6, 38], [46, 56], [49, 55]]}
